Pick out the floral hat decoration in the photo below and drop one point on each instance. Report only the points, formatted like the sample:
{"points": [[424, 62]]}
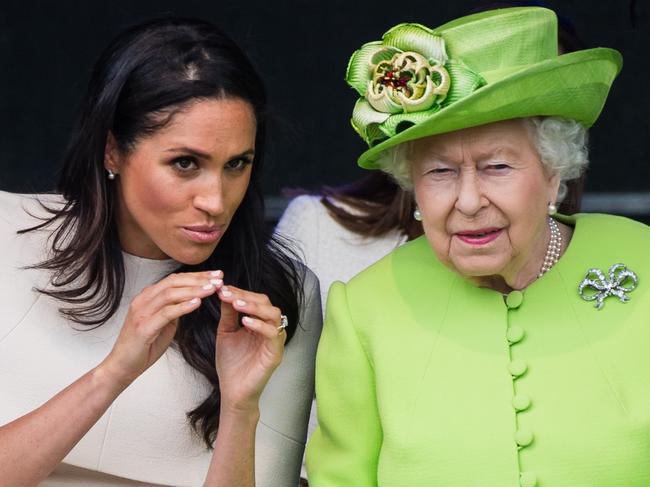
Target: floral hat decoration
{"points": [[491, 66]]}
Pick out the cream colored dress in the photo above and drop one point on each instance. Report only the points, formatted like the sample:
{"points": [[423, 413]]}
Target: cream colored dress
{"points": [[330, 250], [144, 437]]}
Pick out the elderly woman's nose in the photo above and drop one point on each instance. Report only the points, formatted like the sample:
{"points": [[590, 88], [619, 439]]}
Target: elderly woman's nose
{"points": [[470, 198]]}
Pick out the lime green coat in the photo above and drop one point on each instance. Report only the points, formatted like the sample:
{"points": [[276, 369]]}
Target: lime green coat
{"points": [[424, 379]]}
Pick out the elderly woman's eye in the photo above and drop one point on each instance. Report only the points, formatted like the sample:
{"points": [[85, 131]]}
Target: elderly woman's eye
{"points": [[498, 166], [441, 171], [184, 164]]}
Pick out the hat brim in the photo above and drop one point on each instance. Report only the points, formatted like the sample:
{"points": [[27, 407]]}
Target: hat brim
{"points": [[574, 86]]}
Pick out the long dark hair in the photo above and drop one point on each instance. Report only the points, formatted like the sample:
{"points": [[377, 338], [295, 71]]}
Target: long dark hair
{"points": [[372, 206], [145, 76]]}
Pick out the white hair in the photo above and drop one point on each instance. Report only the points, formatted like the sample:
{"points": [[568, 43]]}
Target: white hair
{"points": [[561, 144]]}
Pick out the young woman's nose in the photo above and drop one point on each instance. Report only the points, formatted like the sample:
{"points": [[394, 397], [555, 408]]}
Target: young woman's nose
{"points": [[210, 197]]}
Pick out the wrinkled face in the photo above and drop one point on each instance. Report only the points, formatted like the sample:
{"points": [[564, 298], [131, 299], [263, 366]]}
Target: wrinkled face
{"points": [[483, 194], [179, 188]]}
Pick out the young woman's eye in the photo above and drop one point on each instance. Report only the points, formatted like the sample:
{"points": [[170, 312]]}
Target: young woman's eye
{"points": [[185, 164], [238, 164]]}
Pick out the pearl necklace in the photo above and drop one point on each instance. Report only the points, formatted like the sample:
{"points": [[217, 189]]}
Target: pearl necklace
{"points": [[554, 248]]}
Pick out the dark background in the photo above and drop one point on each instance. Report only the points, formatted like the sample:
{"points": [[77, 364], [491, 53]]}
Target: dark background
{"points": [[301, 48]]}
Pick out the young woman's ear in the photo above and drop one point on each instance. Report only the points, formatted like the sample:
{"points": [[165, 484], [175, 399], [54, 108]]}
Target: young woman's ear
{"points": [[111, 155]]}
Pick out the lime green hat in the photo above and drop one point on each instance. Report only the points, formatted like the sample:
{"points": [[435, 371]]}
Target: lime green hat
{"points": [[491, 66]]}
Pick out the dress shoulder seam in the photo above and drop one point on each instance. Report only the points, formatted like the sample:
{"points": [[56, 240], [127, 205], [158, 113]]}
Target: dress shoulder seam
{"points": [[22, 318]]}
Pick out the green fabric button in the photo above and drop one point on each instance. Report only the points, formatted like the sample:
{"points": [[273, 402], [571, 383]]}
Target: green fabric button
{"points": [[527, 479], [523, 437], [517, 367], [521, 402], [515, 334], [514, 299]]}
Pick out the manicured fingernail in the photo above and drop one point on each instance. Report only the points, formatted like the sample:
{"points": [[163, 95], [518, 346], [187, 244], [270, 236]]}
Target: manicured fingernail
{"points": [[247, 320], [240, 302], [217, 273], [226, 292], [216, 282], [208, 286], [193, 301]]}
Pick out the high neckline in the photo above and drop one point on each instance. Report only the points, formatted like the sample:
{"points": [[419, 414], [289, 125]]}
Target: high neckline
{"points": [[146, 271]]}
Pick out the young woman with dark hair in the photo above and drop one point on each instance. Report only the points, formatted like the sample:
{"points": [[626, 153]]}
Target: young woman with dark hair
{"points": [[148, 290]]}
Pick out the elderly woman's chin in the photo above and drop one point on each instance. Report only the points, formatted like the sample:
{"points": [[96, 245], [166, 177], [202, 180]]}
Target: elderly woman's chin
{"points": [[476, 263]]}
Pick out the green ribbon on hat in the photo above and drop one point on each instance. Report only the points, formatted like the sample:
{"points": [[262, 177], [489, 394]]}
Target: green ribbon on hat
{"points": [[403, 79], [498, 65]]}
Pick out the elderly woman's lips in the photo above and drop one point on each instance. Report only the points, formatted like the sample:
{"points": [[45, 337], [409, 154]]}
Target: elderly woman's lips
{"points": [[202, 234], [481, 237]]}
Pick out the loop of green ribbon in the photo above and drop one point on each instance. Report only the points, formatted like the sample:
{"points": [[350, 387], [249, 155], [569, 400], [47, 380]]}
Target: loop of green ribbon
{"points": [[376, 126]]}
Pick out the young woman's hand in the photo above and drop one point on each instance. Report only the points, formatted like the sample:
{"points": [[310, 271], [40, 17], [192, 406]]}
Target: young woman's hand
{"points": [[152, 320], [247, 355]]}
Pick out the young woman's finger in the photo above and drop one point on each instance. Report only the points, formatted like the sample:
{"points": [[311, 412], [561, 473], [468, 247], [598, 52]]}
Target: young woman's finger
{"points": [[229, 320], [183, 279], [267, 330], [265, 312], [238, 293], [151, 328], [175, 295], [250, 303]]}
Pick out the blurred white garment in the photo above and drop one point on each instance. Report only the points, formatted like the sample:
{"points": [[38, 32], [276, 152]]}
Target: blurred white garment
{"points": [[330, 250]]}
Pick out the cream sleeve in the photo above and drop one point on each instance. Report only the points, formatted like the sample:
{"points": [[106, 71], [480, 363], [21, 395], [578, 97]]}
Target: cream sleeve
{"points": [[286, 400]]}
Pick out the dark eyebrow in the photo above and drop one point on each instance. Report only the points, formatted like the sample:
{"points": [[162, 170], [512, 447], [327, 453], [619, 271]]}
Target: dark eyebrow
{"points": [[249, 152], [203, 155], [188, 150]]}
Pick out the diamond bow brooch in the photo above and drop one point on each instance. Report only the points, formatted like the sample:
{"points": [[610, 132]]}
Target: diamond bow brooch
{"points": [[596, 287]]}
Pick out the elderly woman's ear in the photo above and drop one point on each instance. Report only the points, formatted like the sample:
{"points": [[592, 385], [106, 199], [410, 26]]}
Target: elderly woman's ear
{"points": [[554, 181]]}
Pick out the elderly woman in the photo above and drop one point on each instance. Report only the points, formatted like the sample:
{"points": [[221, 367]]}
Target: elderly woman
{"points": [[509, 345]]}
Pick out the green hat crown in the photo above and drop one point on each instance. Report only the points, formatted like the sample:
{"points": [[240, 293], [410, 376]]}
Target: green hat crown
{"points": [[478, 69]]}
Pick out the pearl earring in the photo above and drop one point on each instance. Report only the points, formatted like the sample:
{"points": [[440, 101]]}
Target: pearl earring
{"points": [[417, 215], [111, 174], [552, 209]]}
